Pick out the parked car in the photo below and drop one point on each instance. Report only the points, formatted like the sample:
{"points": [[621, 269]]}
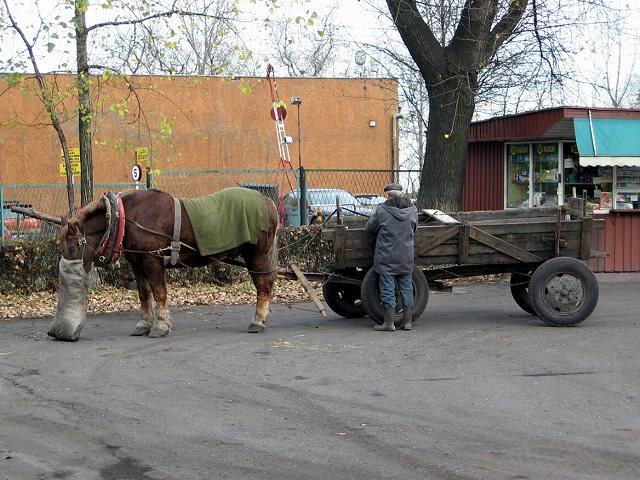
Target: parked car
{"points": [[16, 225], [370, 198], [321, 203]]}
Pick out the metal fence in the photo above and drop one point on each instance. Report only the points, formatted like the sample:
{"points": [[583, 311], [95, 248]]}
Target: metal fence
{"points": [[48, 198], [52, 198], [193, 183]]}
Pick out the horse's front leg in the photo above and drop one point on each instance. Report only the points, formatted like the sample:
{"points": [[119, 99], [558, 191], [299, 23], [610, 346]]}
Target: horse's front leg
{"points": [[147, 314]]}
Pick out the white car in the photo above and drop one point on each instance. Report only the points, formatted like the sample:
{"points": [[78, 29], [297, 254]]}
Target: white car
{"points": [[370, 199], [321, 203]]}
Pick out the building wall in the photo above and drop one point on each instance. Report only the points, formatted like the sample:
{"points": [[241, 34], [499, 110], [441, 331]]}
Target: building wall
{"points": [[201, 123], [484, 178], [619, 240]]}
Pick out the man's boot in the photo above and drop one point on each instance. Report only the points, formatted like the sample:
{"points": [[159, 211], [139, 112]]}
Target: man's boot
{"points": [[406, 319], [388, 325]]}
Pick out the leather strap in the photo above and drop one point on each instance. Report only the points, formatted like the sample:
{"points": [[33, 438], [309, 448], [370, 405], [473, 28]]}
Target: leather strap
{"points": [[111, 241], [175, 244]]}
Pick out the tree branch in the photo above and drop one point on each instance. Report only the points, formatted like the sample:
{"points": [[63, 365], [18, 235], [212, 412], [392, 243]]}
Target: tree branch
{"points": [[155, 16]]}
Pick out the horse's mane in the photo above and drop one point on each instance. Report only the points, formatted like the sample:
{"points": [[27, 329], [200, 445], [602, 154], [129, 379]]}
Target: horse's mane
{"points": [[97, 206], [83, 214]]}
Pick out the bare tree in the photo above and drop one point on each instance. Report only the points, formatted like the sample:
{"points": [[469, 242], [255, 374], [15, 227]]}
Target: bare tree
{"points": [[476, 58], [304, 48], [128, 15], [183, 45], [47, 95], [451, 76], [612, 81]]}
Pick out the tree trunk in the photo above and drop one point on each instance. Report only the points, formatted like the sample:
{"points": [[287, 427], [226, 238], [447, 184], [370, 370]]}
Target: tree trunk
{"points": [[443, 172], [450, 73], [85, 112]]}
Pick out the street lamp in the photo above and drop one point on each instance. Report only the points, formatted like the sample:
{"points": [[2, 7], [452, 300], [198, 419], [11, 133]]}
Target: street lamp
{"points": [[360, 58], [297, 101]]}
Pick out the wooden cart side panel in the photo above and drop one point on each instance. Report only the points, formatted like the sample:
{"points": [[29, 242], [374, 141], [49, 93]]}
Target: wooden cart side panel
{"points": [[514, 239], [500, 245]]}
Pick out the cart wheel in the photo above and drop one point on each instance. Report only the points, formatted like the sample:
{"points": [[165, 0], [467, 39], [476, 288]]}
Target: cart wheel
{"points": [[519, 285], [563, 291], [371, 296], [344, 299]]}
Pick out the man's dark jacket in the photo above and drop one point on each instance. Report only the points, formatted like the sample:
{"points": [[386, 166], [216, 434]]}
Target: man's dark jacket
{"points": [[395, 223]]}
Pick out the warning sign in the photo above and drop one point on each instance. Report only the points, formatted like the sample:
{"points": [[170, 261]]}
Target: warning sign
{"points": [[142, 155], [74, 158]]}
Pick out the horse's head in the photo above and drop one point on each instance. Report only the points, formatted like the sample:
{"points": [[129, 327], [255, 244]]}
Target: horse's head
{"points": [[81, 236]]}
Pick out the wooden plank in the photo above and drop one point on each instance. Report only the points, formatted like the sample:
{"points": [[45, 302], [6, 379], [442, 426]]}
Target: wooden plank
{"points": [[585, 244], [339, 245], [558, 229], [522, 227], [576, 207], [502, 215], [463, 244], [425, 246], [309, 289], [502, 246], [440, 217]]}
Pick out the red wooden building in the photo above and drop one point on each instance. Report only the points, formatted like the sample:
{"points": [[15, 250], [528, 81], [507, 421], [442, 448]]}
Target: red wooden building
{"points": [[543, 157]]}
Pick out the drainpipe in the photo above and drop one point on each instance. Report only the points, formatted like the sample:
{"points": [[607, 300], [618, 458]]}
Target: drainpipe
{"points": [[395, 144]]}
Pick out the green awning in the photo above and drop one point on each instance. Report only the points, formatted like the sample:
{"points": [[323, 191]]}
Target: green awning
{"points": [[608, 141]]}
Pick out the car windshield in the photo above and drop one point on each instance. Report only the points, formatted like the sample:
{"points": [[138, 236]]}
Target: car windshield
{"points": [[328, 197]]}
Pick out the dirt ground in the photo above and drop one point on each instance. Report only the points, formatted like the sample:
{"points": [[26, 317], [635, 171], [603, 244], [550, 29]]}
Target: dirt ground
{"points": [[477, 390]]}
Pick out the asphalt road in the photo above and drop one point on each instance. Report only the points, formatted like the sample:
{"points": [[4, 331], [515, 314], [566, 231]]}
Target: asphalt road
{"points": [[477, 390]]}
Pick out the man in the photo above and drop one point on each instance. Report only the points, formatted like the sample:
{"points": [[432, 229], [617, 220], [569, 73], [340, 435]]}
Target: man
{"points": [[394, 222]]}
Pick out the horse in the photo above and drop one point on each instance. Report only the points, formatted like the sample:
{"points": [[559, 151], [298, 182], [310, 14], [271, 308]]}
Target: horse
{"points": [[153, 231]]}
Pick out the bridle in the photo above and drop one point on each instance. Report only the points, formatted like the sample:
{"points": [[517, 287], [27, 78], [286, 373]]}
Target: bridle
{"points": [[110, 244]]}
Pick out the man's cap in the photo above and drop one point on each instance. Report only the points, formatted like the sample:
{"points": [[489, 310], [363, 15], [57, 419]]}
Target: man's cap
{"points": [[393, 186]]}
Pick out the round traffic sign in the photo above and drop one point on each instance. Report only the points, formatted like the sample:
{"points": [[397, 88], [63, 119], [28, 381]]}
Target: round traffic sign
{"points": [[136, 172]]}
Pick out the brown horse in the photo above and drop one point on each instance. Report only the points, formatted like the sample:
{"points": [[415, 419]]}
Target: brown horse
{"points": [[141, 225]]}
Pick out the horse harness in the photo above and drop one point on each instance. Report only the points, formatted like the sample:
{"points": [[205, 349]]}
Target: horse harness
{"points": [[111, 242], [175, 242]]}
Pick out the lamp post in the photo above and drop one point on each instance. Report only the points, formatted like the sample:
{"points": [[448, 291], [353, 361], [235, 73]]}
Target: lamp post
{"points": [[297, 101]]}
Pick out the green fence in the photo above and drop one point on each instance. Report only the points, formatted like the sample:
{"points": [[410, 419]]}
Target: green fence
{"points": [[193, 183], [47, 198], [52, 198]]}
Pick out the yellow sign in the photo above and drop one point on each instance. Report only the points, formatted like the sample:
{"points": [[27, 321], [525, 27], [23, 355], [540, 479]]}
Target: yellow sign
{"points": [[142, 155], [74, 158]]}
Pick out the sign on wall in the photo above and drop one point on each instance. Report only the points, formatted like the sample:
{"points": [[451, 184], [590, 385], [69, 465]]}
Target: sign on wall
{"points": [[74, 158], [142, 155]]}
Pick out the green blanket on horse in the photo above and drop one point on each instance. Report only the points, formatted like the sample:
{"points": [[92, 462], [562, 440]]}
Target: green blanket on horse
{"points": [[227, 219]]}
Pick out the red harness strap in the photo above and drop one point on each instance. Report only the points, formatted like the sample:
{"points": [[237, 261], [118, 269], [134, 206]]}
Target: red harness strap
{"points": [[112, 249], [120, 234]]}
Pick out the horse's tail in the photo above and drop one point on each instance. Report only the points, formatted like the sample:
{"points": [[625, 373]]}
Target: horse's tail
{"points": [[273, 250], [273, 255]]}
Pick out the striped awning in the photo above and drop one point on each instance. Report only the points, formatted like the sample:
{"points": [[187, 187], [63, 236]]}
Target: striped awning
{"points": [[608, 142]]}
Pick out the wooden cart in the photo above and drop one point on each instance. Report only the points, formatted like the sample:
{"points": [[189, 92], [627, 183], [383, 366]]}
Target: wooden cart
{"points": [[542, 248]]}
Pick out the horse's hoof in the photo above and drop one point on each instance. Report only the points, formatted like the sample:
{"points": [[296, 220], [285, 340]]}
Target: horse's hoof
{"points": [[157, 332], [255, 328], [140, 331]]}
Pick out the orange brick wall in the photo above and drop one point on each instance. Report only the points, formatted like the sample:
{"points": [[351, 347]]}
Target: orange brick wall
{"points": [[214, 126]]}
